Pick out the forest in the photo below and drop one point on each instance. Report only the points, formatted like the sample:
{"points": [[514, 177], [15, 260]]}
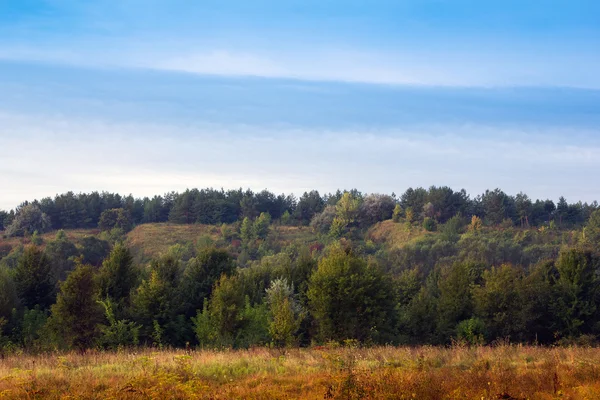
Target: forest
{"points": [[236, 269]]}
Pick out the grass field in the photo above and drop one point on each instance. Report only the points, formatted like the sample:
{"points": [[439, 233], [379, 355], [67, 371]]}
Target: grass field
{"points": [[504, 372]]}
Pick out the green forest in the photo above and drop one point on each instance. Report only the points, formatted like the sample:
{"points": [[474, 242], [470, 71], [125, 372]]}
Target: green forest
{"points": [[238, 269]]}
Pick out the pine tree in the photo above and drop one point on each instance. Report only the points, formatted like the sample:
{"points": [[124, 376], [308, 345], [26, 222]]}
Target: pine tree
{"points": [[77, 312], [34, 279]]}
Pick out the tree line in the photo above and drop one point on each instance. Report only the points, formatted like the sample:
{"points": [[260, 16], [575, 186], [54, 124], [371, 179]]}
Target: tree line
{"points": [[210, 206]]}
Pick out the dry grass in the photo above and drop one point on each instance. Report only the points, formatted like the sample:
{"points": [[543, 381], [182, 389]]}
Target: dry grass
{"points": [[75, 235], [395, 235], [375, 373], [149, 240]]}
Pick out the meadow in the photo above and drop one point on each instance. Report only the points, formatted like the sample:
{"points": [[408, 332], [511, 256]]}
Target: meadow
{"points": [[490, 372]]}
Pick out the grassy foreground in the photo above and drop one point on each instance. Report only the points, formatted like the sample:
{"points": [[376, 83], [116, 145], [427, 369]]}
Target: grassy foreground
{"points": [[504, 372]]}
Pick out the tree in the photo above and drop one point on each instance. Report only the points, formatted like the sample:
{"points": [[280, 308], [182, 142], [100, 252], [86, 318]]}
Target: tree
{"points": [[321, 223], [77, 312], [285, 313], [118, 277], [94, 250], [34, 279], [221, 318], [414, 199], [476, 224], [500, 304], [347, 208], [397, 214], [455, 302], [578, 292], [3, 220], [346, 214], [261, 225], [118, 218], [246, 230], [592, 228], [157, 302], [524, 208], [562, 210], [119, 332], [61, 253], [497, 206], [200, 276], [309, 205], [350, 299], [429, 224], [375, 208], [8, 294], [453, 227], [28, 220]]}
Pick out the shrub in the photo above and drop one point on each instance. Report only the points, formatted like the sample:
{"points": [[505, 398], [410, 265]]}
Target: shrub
{"points": [[429, 224]]}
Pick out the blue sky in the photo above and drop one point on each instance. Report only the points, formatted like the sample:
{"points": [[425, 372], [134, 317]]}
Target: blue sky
{"points": [[147, 96]]}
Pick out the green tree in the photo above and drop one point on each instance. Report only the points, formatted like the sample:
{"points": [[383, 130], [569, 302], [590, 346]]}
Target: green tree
{"points": [[455, 302], [119, 332], [592, 229], [309, 205], [285, 313], [524, 208], [246, 230], [347, 209], [200, 276], [397, 214], [34, 279], [286, 218], [61, 252], [452, 229], [350, 299], [261, 225], [94, 250], [429, 224], [77, 313], [156, 302], [116, 218], [500, 304], [8, 294], [221, 319], [578, 290], [118, 277]]}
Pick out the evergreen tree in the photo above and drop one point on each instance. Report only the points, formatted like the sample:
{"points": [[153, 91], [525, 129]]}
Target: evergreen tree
{"points": [[34, 279], [577, 293], [77, 312], [118, 276]]}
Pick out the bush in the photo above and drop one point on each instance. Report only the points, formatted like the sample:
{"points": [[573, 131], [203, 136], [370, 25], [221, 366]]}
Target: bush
{"points": [[429, 224], [471, 331]]}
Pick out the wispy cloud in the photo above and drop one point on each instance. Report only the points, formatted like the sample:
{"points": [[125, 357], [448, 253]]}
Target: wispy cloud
{"points": [[53, 155]]}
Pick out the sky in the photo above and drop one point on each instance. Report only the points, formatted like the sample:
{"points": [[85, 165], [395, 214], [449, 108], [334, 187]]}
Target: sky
{"points": [[146, 97]]}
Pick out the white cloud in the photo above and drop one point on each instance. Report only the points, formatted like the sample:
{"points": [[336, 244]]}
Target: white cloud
{"points": [[44, 156]]}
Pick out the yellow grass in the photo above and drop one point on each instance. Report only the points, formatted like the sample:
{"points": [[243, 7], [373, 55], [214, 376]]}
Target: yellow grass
{"points": [[395, 234], [374, 373], [149, 240], [75, 235]]}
